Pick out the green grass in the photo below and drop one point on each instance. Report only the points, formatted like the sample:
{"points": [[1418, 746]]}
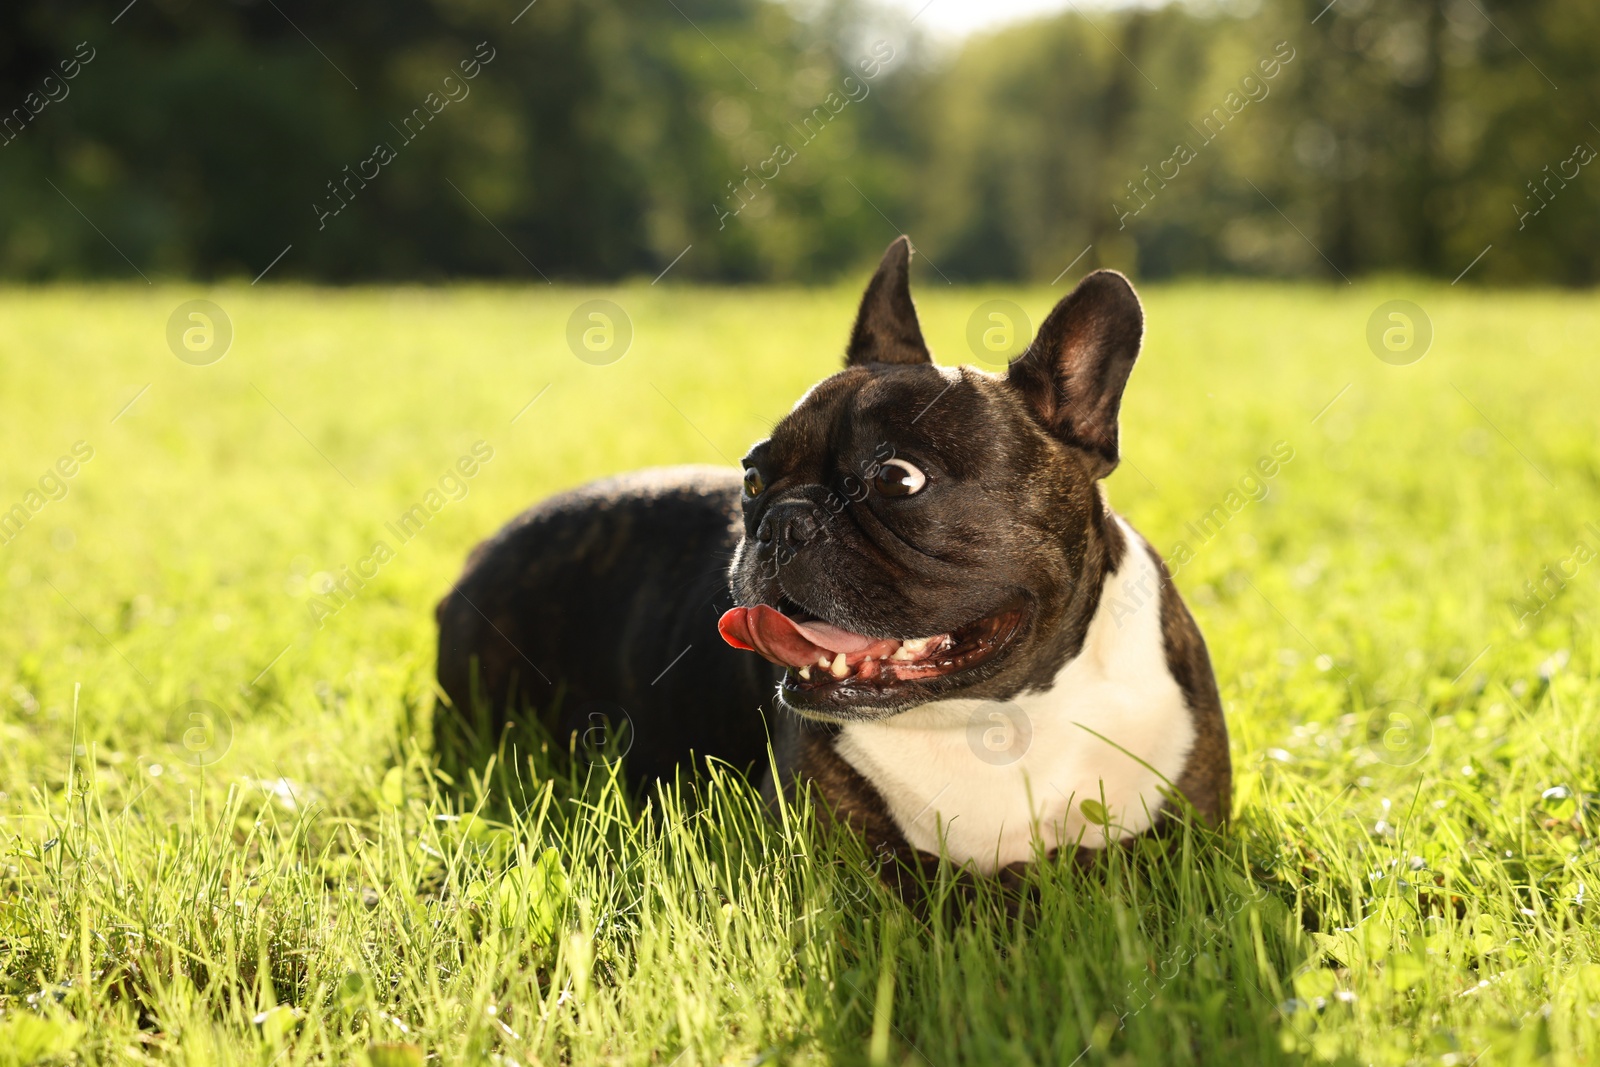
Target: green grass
{"points": [[320, 893]]}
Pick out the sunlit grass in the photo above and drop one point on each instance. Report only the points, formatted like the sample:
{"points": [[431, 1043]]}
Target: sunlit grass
{"points": [[1409, 878]]}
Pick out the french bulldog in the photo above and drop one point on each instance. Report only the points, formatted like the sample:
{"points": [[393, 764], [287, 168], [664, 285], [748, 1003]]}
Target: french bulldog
{"points": [[917, 578]]}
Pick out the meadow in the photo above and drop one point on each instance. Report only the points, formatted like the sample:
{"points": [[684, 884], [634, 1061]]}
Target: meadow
{"points": [[224, 839]]}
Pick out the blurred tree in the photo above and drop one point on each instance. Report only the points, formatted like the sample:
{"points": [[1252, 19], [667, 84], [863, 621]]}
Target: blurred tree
{"points": [[601, 139], [1398, 137], [604, 138]]}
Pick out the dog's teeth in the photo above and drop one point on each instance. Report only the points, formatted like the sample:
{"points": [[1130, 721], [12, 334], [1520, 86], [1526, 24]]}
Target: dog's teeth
{"points": [[823, 661], [916, 646], [903, 654], [840, 668], [805, 674]]}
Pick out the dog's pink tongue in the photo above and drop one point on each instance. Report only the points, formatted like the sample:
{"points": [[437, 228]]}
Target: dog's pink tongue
{"points": [[788, 643]]}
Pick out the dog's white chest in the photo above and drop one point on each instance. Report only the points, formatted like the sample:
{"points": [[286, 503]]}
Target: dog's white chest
{"points": [[982, 780]]}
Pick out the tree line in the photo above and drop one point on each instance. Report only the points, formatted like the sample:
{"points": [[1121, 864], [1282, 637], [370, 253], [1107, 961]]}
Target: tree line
{"points": [[753, 140]]}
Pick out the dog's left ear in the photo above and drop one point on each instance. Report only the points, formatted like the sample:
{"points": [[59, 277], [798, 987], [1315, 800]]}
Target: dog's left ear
{"points": [[886, 329], [1073, 373]]}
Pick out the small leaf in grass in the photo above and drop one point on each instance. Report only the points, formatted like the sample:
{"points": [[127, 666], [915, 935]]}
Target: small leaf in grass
{"points": [[1487, 936], [1404, 971], [277, 1023], [1521, 1041], [531, 895], [394, 1054], [1560, 803], [352, 990], [393, 789], [1095, 812], [1320, 982], [1377, 936], [1443, 1041], [26, 1038]]}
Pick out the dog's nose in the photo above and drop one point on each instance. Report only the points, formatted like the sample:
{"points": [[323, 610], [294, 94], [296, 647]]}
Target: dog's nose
{"points": [[793, 526]]}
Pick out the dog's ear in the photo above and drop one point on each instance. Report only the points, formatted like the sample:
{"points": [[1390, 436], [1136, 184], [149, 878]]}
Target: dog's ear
{"points": [[1073, 373], [886, 329]]}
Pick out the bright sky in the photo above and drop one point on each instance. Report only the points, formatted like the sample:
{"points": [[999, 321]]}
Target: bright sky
{"points": [[957, 18]]}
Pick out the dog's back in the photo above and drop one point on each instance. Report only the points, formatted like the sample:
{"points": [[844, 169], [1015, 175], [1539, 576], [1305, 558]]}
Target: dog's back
{"points": [[597, 609]]}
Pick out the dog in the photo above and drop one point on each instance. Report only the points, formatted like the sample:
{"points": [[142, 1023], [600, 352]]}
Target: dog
{"points": [[962, 648]]}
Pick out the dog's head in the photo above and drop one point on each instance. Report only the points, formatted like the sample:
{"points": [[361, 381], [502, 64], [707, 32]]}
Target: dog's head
{"points": [[914, 532]]}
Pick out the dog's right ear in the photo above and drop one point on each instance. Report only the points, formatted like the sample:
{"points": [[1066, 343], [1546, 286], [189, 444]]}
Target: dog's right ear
{"points": [[886, 329]]}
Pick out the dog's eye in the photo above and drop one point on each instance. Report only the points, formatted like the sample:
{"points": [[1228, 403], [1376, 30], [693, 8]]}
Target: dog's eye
{"points": [[898, 478], [753, 483]]}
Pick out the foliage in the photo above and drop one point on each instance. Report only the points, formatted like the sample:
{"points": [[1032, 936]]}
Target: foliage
{"points": [[609, 138]]}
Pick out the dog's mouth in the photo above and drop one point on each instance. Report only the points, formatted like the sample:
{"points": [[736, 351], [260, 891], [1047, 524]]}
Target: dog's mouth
{"points": [[829, 666]]}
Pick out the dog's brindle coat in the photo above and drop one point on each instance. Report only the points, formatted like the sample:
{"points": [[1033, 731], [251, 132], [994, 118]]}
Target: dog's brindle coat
{"points": [[609, 596]]}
